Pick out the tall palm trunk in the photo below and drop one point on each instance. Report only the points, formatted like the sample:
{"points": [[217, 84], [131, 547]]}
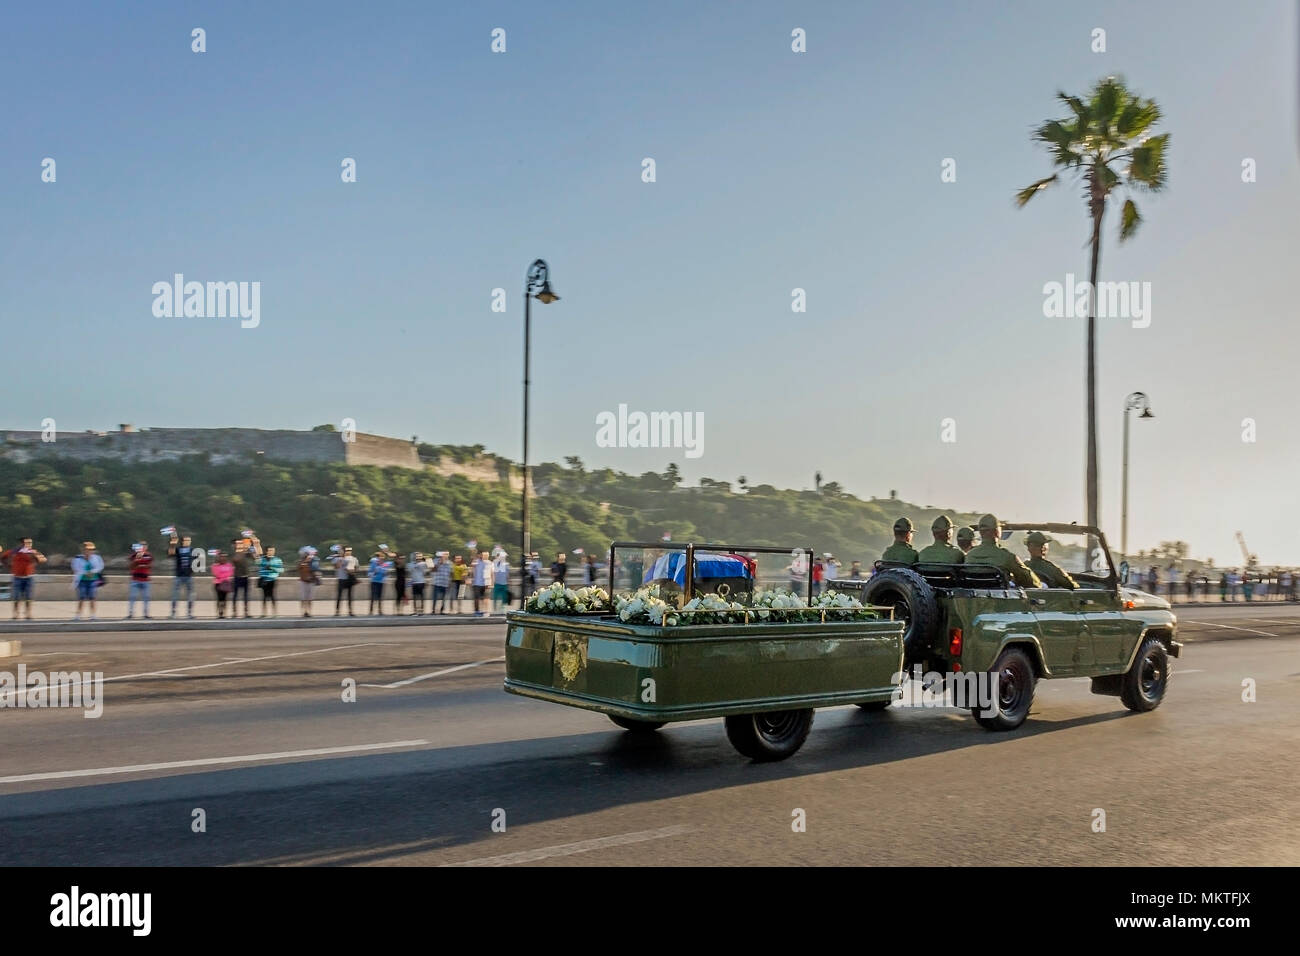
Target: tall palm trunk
{"points": [[1097, 206]]}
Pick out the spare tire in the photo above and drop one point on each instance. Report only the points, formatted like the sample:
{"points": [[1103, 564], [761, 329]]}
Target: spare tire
{"points": [[913, 601]]}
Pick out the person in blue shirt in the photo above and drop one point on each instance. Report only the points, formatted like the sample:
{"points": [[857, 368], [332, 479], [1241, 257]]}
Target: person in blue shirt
{"points": [[379, 567], [269, 569]]}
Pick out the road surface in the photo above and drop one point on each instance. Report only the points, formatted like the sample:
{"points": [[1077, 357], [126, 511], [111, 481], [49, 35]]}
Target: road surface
{"points": [[251, 728]]}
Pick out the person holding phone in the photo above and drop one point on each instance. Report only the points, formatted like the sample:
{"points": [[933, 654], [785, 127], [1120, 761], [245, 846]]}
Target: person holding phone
{"points": [[345, 574], [246, 551], [87, 570], [141, 568], [441, 583], [180, 550], [378, 573], [22, 562]]}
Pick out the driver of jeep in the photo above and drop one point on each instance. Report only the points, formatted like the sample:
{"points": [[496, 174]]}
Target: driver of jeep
{"points": [[1053, 575], [990, 551]]}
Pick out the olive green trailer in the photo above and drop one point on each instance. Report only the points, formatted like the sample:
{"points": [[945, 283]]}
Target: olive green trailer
{"points": [[764, 678]]}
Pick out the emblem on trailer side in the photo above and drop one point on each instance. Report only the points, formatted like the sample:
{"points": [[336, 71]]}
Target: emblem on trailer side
{"points": [[570, 656]]}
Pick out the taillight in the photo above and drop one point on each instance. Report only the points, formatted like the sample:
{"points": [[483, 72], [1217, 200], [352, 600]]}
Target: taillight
{"points": [[954, 642]]}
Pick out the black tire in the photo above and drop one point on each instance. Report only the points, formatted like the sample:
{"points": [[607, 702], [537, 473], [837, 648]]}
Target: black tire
{"points": [[773, 735], [638, 726], [873, 706], [1143, 686], [1015, 691], [913, 601]]}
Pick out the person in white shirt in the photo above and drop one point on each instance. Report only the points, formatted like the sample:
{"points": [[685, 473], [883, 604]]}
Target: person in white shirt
{"points": [[482, 577], [501, 582], [832, 571], [87, 574], [345, 574]]}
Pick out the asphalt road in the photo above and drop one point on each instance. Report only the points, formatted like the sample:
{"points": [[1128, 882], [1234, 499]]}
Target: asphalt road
{"points": [[251, 728]]}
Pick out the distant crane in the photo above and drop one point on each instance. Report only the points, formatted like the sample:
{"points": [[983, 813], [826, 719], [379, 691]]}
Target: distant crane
{"points": [[1251, 560]]}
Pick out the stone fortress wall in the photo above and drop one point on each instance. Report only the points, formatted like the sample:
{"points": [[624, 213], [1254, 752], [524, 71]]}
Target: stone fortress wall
{"points": [[224, 445]]}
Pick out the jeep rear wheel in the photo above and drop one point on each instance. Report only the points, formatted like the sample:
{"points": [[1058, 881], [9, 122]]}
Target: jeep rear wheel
{"points": [[1013, 692], [1143, 686], [773, 735]]}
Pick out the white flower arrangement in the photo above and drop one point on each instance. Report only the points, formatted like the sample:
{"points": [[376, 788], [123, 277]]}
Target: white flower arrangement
{"points": [[842, 607], [645, 606], [776, 606], [557, 599]]}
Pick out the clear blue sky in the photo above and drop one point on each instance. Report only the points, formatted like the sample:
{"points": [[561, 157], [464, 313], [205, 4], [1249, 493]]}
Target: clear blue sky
{"points": [[775, 171]]}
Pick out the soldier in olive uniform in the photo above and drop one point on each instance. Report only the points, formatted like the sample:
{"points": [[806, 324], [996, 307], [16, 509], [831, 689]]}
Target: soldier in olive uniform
{"points": [[966, 538], [901, 551], [990, 551], [943, 551], [1053, 575]]}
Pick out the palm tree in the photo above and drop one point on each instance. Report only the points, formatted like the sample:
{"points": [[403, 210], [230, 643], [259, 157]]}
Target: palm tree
{"points": [[1106, 144]]}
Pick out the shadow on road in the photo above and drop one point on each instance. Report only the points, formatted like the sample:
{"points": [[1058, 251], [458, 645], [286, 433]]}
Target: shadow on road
{"points": [[391, 806]]}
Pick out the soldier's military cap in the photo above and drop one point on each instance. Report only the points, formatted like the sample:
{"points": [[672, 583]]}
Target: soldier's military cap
{"points": [[941, 523], [988, 521], [965, 533], [903, 524], [1036, 537]]}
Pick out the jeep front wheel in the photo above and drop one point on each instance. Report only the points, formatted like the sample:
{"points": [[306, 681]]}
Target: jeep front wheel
{"points": [[1143, 686], [1013, 693]]}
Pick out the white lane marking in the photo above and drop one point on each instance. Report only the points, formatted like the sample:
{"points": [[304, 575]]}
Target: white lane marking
{"points": [[445, 670], [211, 761], [1194, 670], [1229, 627], [195, 667], [1263, 620], [568, 849]]}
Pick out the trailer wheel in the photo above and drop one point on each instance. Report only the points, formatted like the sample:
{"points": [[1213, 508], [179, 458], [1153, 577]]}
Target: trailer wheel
{"points": [[638, 726], [773, 735], [914, 603], [1143, 686], [1015, 691]]}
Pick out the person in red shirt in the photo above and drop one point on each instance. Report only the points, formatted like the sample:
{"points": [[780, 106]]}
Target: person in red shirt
{"points": [[141, 568], [22, 561], [818, 574]]}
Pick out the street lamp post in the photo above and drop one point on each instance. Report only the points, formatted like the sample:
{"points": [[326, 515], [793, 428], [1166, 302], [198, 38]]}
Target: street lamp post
{"points": [[1133, 402], [537, 285]]}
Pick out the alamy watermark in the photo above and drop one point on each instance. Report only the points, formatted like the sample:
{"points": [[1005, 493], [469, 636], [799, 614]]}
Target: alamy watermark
{"points": [[626, 429], [968, 690], [127, 910], [1115, 300], [211, 300], [36, 689]]}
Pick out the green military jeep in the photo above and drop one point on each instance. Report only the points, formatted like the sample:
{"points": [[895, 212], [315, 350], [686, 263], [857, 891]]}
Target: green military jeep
{"points": [[765, 672], [971, 617]]}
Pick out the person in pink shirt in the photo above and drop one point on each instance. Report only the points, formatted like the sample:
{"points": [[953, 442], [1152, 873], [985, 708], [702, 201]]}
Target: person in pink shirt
{"points": [[223, 580]]}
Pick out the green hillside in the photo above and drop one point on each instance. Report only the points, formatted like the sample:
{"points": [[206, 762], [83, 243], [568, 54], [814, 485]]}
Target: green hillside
{"points": [[61, 502]]}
